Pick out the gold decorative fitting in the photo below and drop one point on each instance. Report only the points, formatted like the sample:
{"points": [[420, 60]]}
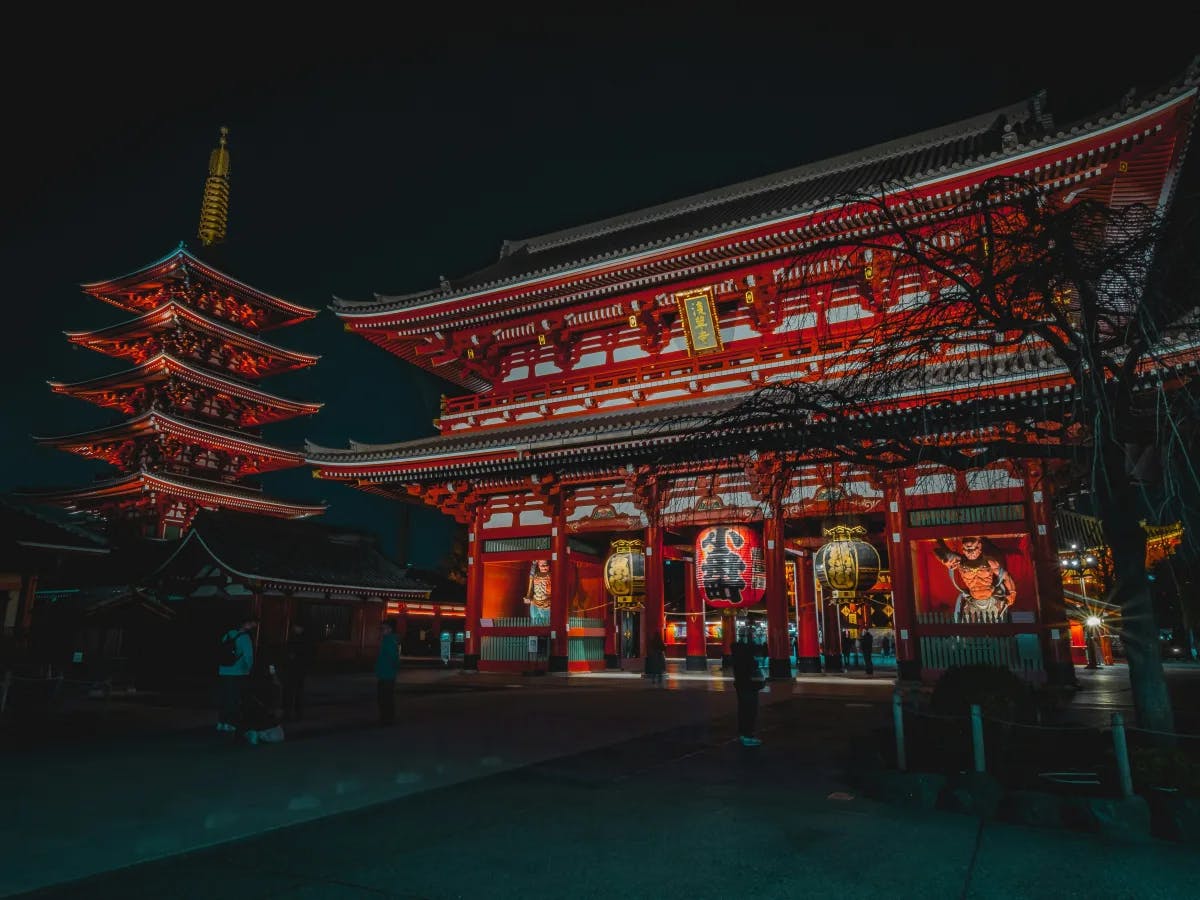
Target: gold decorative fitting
{"points": [[470, 353], [1123, 166], [541, 340], [868, 273], [633, 323], [214, 208], [749, 298], [844, 532]]}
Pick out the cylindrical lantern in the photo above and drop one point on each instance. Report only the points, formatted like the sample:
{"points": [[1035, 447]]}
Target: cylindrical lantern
{"points": [[846, 562], [625, 574], [729, 566]]}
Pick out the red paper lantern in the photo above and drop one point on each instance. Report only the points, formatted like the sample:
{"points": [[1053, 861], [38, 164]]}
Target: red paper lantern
{"points": [[729, 566]]}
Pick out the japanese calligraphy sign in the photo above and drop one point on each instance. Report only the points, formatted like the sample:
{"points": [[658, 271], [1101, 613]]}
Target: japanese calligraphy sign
{"points": [[698, 313]]}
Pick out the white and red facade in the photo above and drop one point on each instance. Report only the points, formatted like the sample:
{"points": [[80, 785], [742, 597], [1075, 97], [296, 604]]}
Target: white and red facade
{"points": [[584, 366]]}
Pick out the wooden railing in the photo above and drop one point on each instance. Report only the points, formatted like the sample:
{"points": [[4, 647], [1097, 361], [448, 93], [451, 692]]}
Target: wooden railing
{"points": [[1019, 652]]}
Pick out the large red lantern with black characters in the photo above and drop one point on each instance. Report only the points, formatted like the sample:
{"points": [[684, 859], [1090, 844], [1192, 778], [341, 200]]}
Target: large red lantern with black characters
{"points": [[729, 566]]}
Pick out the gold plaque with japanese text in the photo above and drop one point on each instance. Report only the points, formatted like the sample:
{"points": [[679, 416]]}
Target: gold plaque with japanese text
{"points": [[698, 312]]}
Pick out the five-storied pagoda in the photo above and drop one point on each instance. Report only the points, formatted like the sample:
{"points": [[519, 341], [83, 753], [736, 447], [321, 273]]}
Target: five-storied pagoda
{"points": [[193, 412], [586, 355]]}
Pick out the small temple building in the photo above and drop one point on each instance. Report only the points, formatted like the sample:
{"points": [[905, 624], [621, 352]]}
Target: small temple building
{"points": [[190, 436], [587, 354]]}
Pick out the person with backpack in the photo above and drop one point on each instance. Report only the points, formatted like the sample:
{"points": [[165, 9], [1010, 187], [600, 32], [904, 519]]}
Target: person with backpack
{"points": [[235, 662]]}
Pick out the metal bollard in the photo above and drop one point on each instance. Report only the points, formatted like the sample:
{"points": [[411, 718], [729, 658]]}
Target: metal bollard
{"points": [[898, 722], [977, 737], [1122, 753]]}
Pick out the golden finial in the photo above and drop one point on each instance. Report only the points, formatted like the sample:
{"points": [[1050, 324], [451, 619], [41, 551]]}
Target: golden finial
{"points": [[214, 209]]}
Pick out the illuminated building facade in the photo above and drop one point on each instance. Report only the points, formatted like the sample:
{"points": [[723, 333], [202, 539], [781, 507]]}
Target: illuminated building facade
{"points": [[586, 355]]}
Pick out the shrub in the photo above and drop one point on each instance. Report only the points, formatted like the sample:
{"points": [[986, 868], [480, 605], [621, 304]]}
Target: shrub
{"points": [[1166, 767], [999, 692]]}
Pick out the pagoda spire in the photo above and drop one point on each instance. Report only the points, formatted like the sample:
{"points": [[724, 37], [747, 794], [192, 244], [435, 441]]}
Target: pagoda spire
{"points": [[214, 208]]}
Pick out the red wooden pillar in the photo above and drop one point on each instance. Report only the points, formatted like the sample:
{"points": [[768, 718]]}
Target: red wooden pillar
{"points": [[833, 633], [728, 636], [401, 627], [693, 604], [1052, 613], [808, 648], [25, 602], [612, 655], [654, 615], [474, 604], [776, 598], [908, 656], [560, 594]]}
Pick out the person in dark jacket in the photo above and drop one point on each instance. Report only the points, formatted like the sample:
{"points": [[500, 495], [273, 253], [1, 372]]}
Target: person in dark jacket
{"points": [[298, 657], [386, 664], [747, 681], [865, 640], [656, 658]]}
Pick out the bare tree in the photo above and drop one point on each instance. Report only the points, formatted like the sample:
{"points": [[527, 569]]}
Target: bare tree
{"points": [[1093, 308]]}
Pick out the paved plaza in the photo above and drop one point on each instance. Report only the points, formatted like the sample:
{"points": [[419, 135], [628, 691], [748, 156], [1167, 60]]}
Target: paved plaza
{"points": [[503, 786]]}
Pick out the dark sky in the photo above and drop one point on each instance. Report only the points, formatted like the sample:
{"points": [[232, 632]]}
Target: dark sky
{"points": [[376, 155]]}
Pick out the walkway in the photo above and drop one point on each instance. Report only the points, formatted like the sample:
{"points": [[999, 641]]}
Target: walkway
{"points": [[512, 786]]}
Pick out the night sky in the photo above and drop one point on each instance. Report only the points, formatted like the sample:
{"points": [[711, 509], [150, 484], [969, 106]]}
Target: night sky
{"points": [[373, 158]]}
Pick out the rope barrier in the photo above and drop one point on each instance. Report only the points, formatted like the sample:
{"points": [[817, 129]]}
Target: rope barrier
{"points": [[1074, 728], [1170, 734]]}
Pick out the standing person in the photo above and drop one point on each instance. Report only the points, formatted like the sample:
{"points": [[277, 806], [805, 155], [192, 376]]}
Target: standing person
{"points": [[847, 647], [298, 657], [385, 672], [747, 681], [656, 658], [236, 662], [865, 640]]}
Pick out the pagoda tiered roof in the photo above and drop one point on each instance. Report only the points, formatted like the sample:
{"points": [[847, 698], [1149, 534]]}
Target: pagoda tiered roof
{"points": [[140, 339], [107, 443], [766, 218], [150, 488], [120, 390], [181, 275]]}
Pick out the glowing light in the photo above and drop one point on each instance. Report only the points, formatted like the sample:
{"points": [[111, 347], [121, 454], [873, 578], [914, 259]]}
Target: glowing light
{"points": [[1093, 622]]}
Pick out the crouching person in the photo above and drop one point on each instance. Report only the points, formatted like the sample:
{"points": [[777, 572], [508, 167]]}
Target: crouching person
{"points": [[264, 709]]}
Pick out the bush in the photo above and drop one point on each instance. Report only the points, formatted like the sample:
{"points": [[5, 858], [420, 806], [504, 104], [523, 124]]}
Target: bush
{"points": [[999, 692], [1165, 767]]}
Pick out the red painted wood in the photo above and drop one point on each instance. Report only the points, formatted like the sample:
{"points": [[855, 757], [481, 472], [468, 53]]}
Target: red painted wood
{"points": [[900, 564], [806, 606], [654, 617], [693, 605], [776, 593]]}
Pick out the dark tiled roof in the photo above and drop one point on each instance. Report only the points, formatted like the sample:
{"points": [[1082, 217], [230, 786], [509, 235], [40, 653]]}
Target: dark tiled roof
{"points": [[937, 152], [26, 532], [657, 419], [299, 551]]}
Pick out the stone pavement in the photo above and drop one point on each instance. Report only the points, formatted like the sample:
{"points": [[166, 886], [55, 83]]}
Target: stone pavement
{"points": [[497, 786]]}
